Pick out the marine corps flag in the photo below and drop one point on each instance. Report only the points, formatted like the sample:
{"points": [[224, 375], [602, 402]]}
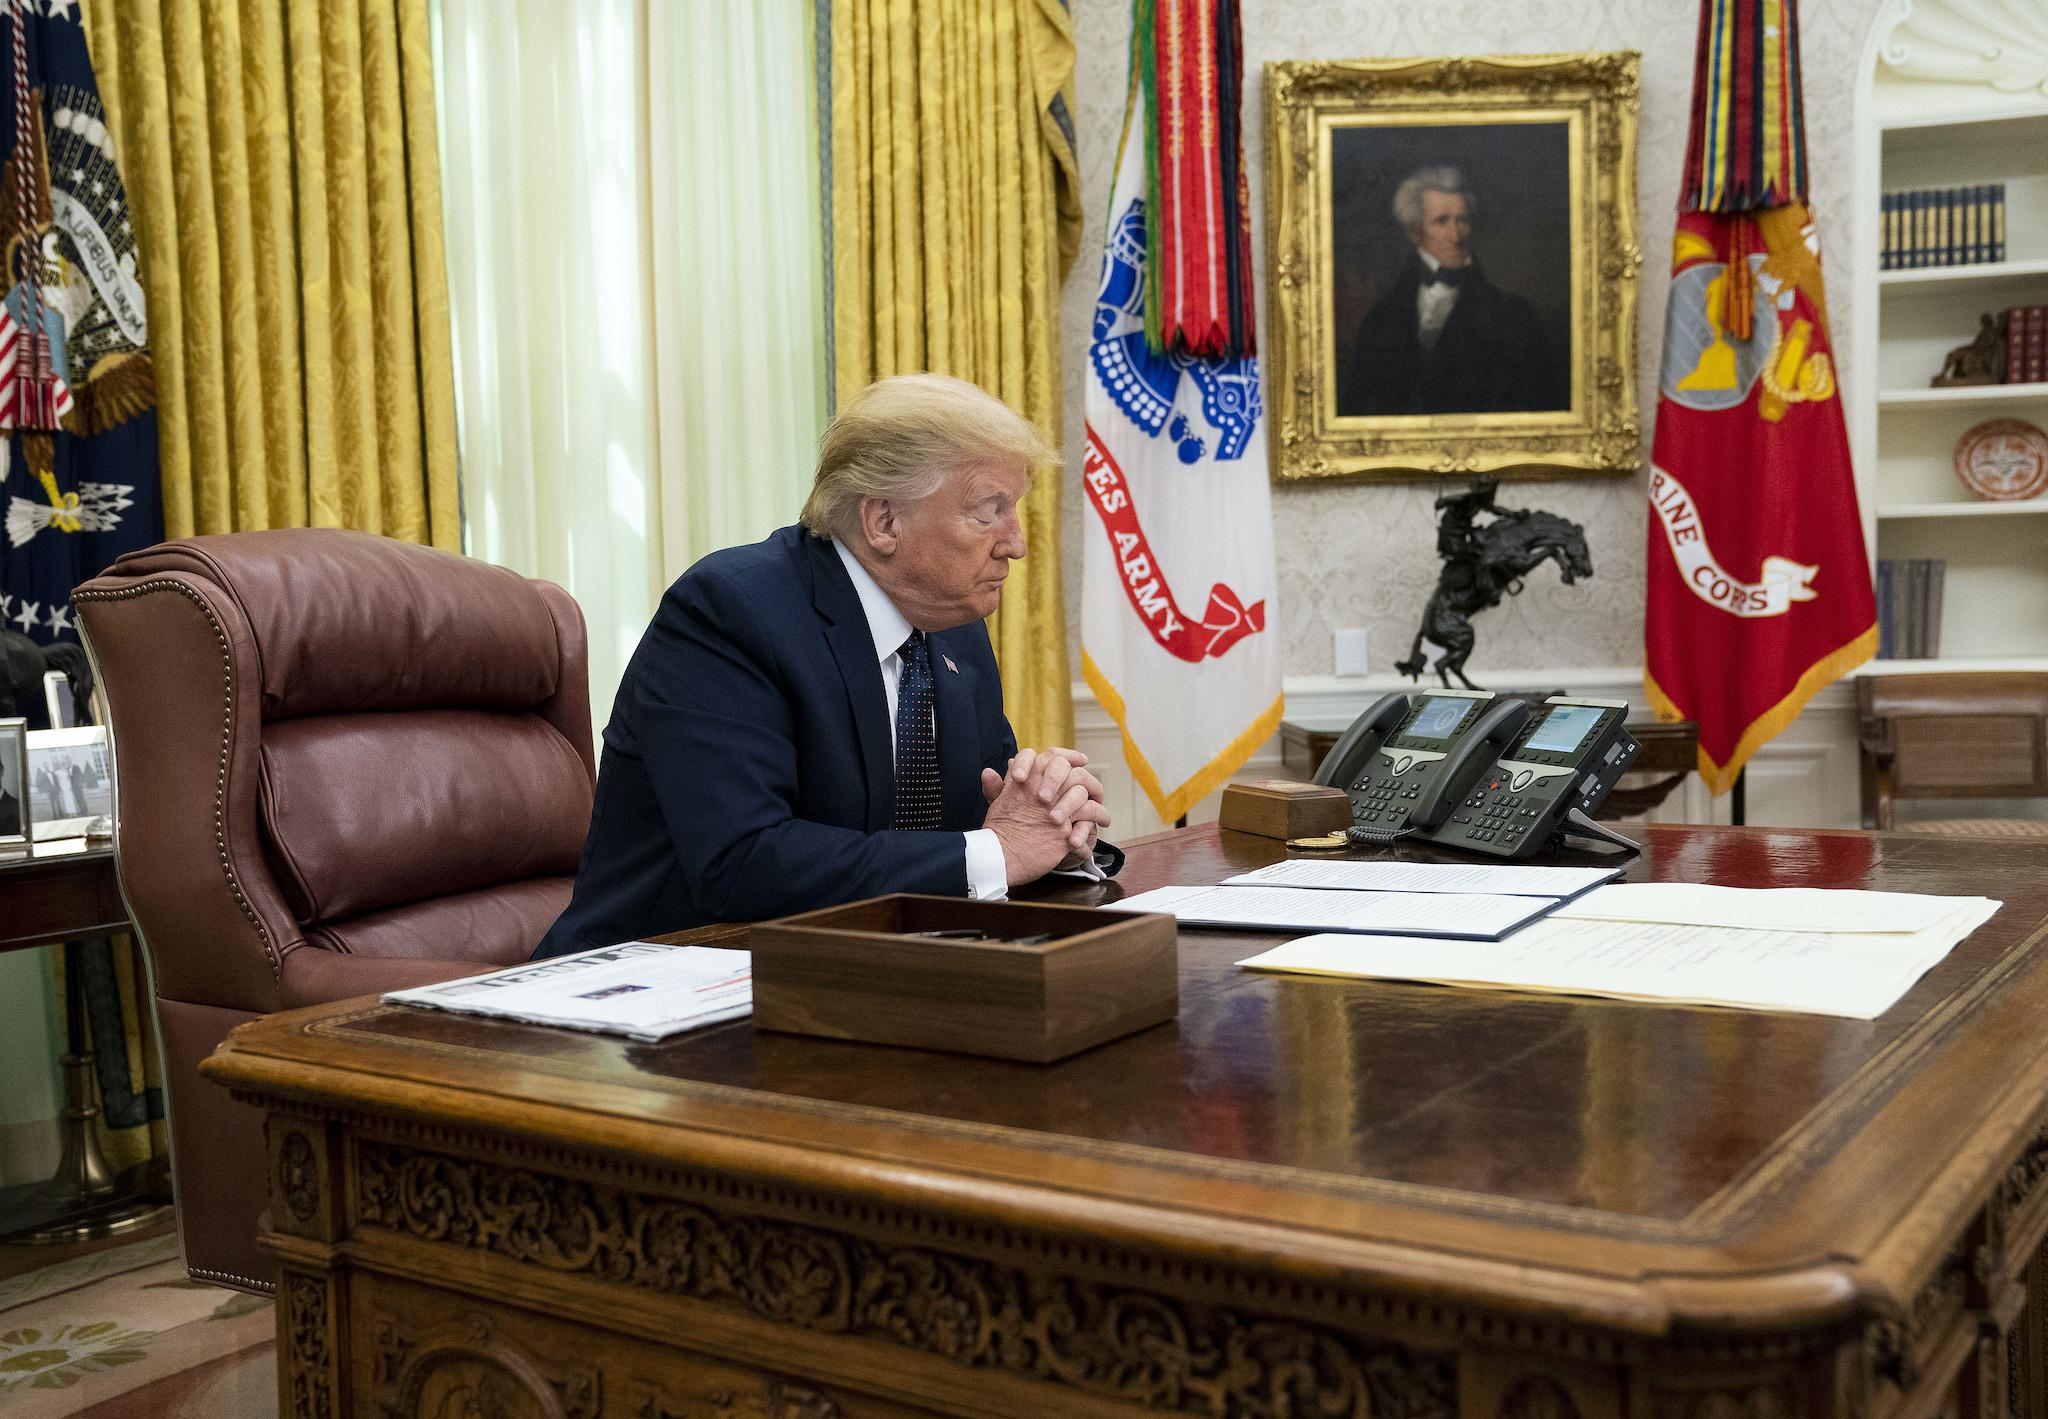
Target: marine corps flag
{"points": [[78, 468], [1759, 588], [1177, 580]]}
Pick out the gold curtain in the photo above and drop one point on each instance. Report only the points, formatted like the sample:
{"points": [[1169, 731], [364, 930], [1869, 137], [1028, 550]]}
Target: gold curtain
{"points": [[955, 215], [281, 162]]}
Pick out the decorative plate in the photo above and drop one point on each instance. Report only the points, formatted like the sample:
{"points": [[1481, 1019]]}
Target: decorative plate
{"points": [[2003, 459]]}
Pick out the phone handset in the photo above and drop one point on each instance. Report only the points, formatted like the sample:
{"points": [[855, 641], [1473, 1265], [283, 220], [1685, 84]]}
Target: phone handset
{"points": [[1473, 754], [1349, 755]]}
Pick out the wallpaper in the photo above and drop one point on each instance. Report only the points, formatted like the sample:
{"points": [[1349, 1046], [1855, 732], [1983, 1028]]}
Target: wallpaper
{"points": [[1365, 555]]}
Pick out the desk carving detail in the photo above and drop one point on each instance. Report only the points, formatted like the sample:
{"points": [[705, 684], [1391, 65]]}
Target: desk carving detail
{"points": [[305, 1306], [467, 1369], [1131, 1345]]}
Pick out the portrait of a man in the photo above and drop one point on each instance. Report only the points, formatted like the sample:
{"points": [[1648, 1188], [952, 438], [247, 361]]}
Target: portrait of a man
{"points": [[1454, 252], [1451, 265]]}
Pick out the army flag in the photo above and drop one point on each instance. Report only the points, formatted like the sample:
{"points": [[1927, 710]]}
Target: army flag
{"points": [[78, 469], [1759, 586], [1177, 604]]}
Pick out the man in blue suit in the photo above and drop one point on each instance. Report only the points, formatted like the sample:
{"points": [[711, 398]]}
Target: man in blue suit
{"points": [[817, 717]]}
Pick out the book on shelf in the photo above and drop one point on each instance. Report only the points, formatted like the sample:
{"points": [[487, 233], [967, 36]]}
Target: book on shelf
{"points": [[2026, 344], [1909, 596], [1947, 226]]}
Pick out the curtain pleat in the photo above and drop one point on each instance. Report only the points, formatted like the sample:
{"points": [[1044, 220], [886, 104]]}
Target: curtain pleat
{"points": [[287, 200], [955, 215]]}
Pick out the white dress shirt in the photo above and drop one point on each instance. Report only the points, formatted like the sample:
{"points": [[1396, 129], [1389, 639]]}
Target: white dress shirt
{"points": [[1433, 302], [988, 873]]}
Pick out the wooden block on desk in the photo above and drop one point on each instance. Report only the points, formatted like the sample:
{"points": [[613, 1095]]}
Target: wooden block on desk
{"points": [[1281, 808], [858, 972]]}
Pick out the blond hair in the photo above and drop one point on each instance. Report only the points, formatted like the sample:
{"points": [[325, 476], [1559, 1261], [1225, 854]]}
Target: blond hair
{"points": [[899, 439]]}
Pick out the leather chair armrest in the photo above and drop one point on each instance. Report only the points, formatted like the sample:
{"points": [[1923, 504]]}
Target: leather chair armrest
{"points": [[316, 977]]}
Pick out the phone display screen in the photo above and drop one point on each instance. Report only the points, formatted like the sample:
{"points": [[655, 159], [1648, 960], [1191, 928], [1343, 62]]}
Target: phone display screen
{"points": [[1439, 717], [1563, 729]]}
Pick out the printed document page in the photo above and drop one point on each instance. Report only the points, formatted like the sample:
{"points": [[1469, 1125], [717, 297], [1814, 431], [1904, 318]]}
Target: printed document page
{"points": [[1434, 914], [1768, 908], [1858, 975], [640, 989], [1507, 881]]}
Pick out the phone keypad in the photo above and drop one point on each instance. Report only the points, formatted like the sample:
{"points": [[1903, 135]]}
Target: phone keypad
{"points": [[1493, 816], [1375, 799]]}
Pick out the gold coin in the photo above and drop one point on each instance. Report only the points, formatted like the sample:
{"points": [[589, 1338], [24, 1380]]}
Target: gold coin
{"points": [[1328, 840]]}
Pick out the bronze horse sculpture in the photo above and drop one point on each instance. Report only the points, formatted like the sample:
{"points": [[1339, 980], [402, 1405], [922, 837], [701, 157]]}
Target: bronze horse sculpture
{"points": [[1483, 563]]}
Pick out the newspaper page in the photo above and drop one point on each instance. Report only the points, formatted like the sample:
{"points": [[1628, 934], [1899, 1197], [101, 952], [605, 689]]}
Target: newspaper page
{"points": [[640, 989]]}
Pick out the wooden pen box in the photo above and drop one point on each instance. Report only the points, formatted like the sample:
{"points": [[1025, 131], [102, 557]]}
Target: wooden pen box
{"points": [[858, 972]]}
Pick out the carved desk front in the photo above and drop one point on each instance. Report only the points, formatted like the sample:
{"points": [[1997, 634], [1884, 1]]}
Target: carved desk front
{"points": [[1303, 1198]]}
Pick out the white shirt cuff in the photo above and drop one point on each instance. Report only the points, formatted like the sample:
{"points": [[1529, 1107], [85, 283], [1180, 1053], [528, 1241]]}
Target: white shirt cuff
{"points": [[988, 875]]}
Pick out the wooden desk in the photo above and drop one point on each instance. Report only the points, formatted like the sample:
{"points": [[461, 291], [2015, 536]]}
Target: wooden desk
{"points": [[1305, 1197], [1670, 750]]}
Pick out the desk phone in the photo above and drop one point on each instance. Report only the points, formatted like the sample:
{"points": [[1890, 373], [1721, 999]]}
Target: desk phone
{"points": [[1480, 771]]}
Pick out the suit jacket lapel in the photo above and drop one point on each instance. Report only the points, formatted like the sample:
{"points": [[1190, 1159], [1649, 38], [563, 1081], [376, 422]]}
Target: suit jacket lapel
{"points": [[961, 803], [853, 649]]}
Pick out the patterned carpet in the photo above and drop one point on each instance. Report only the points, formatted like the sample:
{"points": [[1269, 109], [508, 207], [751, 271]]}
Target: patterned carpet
{"points": [[123, 1333]]}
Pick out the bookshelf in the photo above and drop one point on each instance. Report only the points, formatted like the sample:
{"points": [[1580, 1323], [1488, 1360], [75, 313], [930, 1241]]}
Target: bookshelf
{"points": [[1926, 122]]}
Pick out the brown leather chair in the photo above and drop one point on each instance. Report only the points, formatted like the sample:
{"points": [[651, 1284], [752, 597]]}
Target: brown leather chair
{"points": [[1953, 735], [342, 765]]}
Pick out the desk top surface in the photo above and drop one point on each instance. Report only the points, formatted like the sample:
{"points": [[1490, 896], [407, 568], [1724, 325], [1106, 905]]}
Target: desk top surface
{"points": [[1643, 1158]]}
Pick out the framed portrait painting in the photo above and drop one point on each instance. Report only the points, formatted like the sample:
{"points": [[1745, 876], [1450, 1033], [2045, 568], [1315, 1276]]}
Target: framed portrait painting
{"points": [[1454, 259]]}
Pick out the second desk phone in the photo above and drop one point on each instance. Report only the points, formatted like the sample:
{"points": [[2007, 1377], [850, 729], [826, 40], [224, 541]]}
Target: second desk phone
{"points": [[1477, 770]]}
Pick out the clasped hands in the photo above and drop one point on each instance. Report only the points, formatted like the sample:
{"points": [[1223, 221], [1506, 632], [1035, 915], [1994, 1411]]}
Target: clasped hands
{"points": [[1045, 812]]}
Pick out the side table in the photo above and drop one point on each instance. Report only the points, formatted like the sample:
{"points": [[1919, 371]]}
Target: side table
{"points": [[66, 891]]}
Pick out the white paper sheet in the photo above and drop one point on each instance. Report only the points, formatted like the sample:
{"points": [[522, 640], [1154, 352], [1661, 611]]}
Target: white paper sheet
{"points": [[1858, 975], [1766, 908], [640, 989], [1504, 880], [1298, 908]]}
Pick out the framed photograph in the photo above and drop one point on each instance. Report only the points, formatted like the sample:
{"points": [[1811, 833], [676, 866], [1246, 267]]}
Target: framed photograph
{"points": [[1454, 259], [70, 781], [14, 806]]}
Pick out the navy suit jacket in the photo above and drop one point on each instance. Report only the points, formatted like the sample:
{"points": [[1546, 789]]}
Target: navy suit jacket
{"points": [[748, 772]]}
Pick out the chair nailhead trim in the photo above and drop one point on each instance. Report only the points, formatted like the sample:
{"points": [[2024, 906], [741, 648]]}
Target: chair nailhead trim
{"points": [[220, 783]]}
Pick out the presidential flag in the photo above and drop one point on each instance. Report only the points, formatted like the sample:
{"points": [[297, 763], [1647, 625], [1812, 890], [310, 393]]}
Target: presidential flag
{"points": [[1177, 611], [1759, 586], [78, 468]]}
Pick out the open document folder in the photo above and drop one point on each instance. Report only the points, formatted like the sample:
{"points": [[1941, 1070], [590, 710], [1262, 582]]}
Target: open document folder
{"points": [[640, 989], [1827, 953]]}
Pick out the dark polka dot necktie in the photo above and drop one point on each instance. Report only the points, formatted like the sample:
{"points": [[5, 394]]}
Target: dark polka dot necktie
{"points": [[917, 748]]}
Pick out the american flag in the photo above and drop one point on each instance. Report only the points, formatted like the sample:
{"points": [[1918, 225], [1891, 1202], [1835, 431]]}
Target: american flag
{"points": [[25, 401]]}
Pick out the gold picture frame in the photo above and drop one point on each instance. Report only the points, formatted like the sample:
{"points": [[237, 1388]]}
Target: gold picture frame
{"points": [[1555, 133]]}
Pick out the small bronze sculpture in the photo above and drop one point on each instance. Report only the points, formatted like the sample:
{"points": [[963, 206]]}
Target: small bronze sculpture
{"points": [[1483, 563], [1982, 361]]}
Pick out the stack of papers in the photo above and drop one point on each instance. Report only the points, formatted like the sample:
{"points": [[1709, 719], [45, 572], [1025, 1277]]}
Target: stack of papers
{"points": [[1420, 899], [1427, 877], [641, 989], [1830, 953]]}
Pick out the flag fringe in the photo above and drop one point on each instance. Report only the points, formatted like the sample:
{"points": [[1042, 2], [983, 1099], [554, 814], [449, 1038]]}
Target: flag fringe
{"points": [[1170, 806], [1720, 778]]}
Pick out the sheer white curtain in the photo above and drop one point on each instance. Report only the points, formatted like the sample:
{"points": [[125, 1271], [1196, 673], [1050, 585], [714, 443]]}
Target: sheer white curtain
{"points": [[636, 279]]}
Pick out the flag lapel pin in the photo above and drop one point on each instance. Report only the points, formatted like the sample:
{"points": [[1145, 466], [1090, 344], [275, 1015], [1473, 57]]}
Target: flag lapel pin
{"points": [[949, 662]]}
